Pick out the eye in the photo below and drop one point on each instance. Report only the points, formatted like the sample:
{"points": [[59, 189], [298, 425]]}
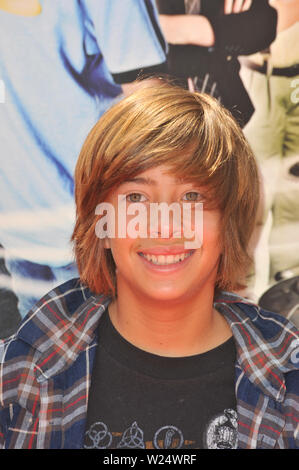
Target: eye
{"points": [[135, 197], [192, 196]]}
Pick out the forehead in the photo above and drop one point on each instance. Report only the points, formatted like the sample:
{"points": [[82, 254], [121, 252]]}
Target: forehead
{"points": [[161, 174]]}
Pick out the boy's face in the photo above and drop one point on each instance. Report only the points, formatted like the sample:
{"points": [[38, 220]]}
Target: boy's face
{"points": [[160, 267]]}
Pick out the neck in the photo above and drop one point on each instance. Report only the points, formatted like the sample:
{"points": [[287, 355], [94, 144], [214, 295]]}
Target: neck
{"points": [[21, 7], [179, 328]]}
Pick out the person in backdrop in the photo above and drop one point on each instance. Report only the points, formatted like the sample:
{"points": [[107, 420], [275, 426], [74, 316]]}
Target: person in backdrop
{"points": [[272, 81], [62, 64], [205, 39], [133, 353]]}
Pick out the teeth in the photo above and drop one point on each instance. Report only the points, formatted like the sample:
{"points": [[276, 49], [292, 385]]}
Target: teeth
{"points": [[166, 259]]}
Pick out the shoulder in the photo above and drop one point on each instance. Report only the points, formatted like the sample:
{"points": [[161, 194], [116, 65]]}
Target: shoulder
{"points": [[260, 335], [240, 309], [40, 327], [69, 296], [61, 303]]}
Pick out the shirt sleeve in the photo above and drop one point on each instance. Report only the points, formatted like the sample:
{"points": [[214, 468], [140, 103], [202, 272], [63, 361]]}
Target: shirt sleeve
{"points": [[129, 37], [186, 60], [3, 427], [245, 33], [171, 7], [1, 438]]}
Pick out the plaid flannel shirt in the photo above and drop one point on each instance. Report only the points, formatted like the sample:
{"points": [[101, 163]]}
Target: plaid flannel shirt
{"points": [[47, 365]]}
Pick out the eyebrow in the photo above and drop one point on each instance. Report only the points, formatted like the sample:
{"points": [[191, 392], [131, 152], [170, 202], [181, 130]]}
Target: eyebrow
{"points": [[141, 180], [150, 182]]}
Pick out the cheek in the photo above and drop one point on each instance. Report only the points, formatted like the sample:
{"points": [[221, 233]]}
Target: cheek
{"points": [[121, 250], [212, 231]]}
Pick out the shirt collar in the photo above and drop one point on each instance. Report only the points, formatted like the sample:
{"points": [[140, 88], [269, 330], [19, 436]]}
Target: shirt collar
{"points": [[60, 337], [266, 343]]}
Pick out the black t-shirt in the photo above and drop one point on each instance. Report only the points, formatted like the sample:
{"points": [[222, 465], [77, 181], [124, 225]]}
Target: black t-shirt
{"points": [[142, 400]]}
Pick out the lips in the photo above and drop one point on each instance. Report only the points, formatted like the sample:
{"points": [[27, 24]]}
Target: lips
{"points": [[165, 250]]}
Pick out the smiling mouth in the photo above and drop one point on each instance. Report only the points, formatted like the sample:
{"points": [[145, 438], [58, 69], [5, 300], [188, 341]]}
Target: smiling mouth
{"points": [[165, 260]]}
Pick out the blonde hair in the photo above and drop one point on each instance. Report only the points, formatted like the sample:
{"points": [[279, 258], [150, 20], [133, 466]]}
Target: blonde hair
{"points": [[199, 140]]}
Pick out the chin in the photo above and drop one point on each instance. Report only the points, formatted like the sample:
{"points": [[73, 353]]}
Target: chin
{"points": [[167, 295]]}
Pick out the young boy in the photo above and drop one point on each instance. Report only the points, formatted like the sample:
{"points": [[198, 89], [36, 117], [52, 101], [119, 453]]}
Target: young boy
{"points": [[148, 349]]}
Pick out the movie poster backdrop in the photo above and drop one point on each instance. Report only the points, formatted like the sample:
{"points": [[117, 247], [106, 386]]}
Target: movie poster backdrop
{"points": [[62, 66]]}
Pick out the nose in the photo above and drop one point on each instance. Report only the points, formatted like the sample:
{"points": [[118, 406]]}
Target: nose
{"points": [[178, 221], [165, 220]]}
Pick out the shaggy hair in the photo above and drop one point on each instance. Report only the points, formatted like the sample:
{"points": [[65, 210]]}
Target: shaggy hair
{"points": [[193, 135]]}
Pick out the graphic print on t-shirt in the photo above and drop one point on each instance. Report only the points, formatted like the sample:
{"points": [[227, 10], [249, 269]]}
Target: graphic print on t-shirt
{"points": [[221, 433], [132, 438]]}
